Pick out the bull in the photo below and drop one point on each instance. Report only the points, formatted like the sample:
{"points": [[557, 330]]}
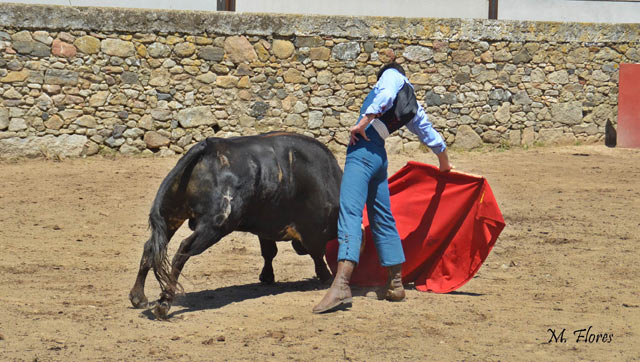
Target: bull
{"points": [[279, 186]]}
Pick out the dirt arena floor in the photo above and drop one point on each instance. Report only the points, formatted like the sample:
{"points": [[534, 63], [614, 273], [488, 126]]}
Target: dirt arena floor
{"points": [[568, 260]]}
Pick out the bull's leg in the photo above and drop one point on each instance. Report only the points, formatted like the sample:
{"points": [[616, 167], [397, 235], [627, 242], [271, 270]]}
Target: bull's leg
{"points": [[136, 295], [269, 250], [195, 244], [322, 272], [314, 245], [298, 247]]}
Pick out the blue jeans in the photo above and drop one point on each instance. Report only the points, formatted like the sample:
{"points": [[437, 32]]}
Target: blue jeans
{"points": [[365, 181]]}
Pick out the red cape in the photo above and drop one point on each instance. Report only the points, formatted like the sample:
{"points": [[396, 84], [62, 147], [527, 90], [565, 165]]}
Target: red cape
{"points": [[448, 223]]}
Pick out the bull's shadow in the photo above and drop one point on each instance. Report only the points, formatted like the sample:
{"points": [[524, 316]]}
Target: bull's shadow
{"points": [[220, 297]]}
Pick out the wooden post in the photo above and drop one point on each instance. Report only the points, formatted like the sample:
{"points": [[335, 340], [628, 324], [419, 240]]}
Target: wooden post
{"points": [[493, 9]]}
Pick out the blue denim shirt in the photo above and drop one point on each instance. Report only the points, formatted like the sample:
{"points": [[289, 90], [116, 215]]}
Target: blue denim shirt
{"points": [[385, 92]]}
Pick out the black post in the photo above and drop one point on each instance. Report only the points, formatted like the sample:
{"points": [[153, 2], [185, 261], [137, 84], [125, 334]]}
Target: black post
{"points": [[493, 9], [226, 5]]}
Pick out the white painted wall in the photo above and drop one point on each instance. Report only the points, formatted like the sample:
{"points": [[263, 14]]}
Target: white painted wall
{"points": [[570, 11], [536, 10], [402, 8], [206, 5]]}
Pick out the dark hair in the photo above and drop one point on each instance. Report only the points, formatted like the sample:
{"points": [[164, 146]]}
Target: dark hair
{"points": [[392, 65]]}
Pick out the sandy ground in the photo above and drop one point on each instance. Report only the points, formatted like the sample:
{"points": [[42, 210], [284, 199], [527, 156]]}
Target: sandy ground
{"points": [[72, 236]]}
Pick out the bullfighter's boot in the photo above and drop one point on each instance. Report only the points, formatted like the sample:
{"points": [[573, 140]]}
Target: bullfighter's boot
{"points": [[394, 290], [339, 294]]}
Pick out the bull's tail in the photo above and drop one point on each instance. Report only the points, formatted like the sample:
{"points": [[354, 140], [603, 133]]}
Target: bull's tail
{"points": [[155, 249]]}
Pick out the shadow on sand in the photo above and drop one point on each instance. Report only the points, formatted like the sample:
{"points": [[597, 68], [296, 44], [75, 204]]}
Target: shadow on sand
{"points": [[220, 297]]}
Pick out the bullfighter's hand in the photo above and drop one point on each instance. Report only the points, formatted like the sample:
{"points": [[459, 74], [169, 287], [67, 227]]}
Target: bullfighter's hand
{"points": [[359, 129]]}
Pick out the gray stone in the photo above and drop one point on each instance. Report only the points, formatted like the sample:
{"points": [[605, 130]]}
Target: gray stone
{"points": [[433, 99], [117, 47], [17, 124], [585, 128], [61, 146], [393, 145], [133, 133], [299, 107], [560, 77], [514, 137], [127, 149], [503, 114], [86, 121], [607, 54], [259, 110], [158, 50], [98, 99], [567, 113], [60, 77], [528, 136], [491, 136], [41, 50], [416, 53], [309, 41], [159, 78], [346, 51], [23, 35], [538, 76], [114, 142], [315, 119], [450, 98], [467, 138], [487, 119], [164, 97], [211, 53], [129, 77], [555, 136], [294, 120], [521, 97], [522, 57], [161, 114], [462, 78], [600, 76], [118, 130], [196, 116]]}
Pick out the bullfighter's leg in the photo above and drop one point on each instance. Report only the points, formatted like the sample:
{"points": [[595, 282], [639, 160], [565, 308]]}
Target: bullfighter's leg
{"points": [[195, 244], [269, 250]]}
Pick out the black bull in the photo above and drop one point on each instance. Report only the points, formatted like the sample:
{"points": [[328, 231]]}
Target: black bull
{"points": [[278, 186]]}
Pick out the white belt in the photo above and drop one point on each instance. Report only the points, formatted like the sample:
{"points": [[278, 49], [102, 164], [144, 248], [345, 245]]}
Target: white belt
{"points": [[380, 128]]}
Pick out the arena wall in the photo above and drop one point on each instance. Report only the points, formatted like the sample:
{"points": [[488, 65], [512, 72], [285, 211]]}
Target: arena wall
{"points": [[84, 80]]}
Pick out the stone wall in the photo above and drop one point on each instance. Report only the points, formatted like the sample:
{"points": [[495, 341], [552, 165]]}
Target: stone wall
{"points": [[79, 81]]}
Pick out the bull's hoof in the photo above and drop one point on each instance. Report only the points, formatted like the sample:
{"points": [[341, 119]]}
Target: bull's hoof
{"points": [[161, 311], [266, 278], [139, 301], [324, 275]]}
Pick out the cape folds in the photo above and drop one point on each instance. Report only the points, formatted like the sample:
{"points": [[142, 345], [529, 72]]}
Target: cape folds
{"points": [[448, 223]]}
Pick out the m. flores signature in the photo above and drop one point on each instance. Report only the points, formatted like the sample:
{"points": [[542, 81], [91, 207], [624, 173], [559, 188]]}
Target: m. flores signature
{"points": [[581, 335]]}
